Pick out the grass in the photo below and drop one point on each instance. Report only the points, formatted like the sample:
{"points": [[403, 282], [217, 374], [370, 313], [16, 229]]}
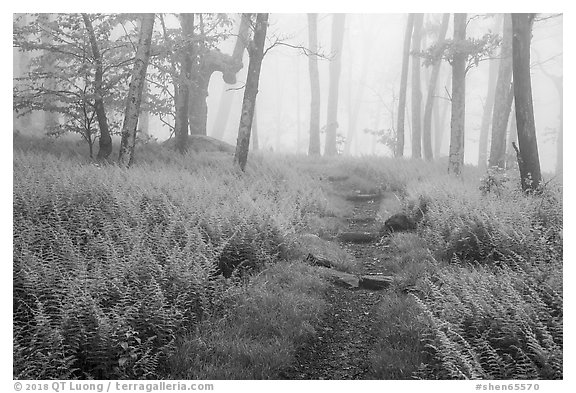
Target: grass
{"points": [[116, 272]]}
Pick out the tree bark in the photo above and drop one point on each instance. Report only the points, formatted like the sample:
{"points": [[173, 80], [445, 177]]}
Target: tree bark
{"points": [[527, 143], [440, 119], [256, 52], [182, 99], [457, 122], [314, 144], [227, 97], [126, 155], [502, 101], [254, 139], [330, 148], [416, 90], [399, 151], [430, 98], [105, 142]]}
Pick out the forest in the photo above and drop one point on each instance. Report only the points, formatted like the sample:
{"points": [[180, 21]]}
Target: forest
{"points": [[218, 196]]}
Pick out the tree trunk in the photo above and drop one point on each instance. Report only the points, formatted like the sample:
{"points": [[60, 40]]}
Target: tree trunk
{"points": [[399, 151], [254, 139], [457, 122], [488, 107], [529, 161], [502, 101], [416, 92], [225, 106], [512, 139], [440, 119], [486, 116], [182, 99], [105, 142], [430, 98], [338, 21], [256, 52], [126, 156], [314, 144]]}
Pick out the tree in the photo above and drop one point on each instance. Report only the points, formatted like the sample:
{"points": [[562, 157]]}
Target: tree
{"points": [[430, 98], [488, 107], [502, 100], [68, 78], [209, 60], [528, 159], [416, 92], [457, 122], [105, 138], [184, 85], [256, 54], [126, 155], [399, 151], [440, 117], [338, 21], [225, 105], [314, 144]]}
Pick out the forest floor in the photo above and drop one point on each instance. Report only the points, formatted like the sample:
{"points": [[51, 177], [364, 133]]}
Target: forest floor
{"points": [[345, 342]]}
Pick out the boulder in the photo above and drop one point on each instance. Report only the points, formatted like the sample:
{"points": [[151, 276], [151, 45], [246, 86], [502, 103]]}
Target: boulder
{"points": [[203, 143], [397, 223]]}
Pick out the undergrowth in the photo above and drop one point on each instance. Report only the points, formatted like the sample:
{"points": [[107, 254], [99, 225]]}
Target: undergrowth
{"points": [[111, 267]]}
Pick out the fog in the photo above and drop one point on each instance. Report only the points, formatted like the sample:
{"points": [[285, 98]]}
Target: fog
{"points": [[373, 46]]}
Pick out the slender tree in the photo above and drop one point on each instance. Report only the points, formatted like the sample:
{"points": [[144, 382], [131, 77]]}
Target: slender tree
{"points": [[457, 122], [528, 159], [338, 22], [314, 144], [399, 151], [105, 142], [440, 118], [502, 101], [416, 88], [488, 107], [126, 155], [256, 53], [431, 94]]}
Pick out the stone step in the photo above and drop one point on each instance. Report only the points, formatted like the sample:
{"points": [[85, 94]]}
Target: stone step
{"points": [[364, 197], [338, 178], [358, 237], [374, 282]]}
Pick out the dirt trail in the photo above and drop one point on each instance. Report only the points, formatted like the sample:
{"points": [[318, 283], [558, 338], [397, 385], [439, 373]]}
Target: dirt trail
{"points": [[347, 333]]}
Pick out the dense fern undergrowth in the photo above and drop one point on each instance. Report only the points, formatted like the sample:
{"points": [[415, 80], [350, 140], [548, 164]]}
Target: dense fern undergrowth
{"points": [[180, 267]]}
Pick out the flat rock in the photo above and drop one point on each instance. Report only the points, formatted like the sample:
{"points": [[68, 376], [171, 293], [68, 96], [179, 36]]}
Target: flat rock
{"points": [[302, 245], [358, 237], [374, 282], [345, 280], [363, 197], [338, 178]]}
